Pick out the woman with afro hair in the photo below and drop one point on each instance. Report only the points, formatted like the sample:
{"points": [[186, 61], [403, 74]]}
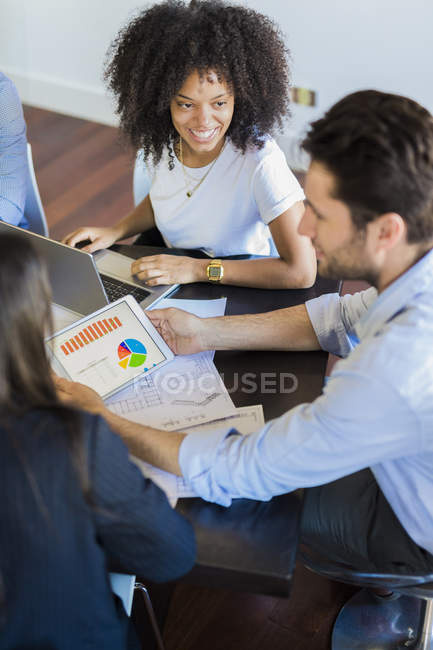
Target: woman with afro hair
{"points": [[200, 88]]}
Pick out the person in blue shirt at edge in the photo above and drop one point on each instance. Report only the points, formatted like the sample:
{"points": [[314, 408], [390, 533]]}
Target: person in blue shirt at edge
{"points": [[13, 155], [72, 503], [200, 87], [364, 448]]}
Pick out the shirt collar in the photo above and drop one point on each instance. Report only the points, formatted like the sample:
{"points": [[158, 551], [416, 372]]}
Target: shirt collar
{"points": [[417, 279]]}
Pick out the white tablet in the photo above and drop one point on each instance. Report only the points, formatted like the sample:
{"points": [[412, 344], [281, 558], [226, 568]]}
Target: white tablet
{"points": [[110, 348]]}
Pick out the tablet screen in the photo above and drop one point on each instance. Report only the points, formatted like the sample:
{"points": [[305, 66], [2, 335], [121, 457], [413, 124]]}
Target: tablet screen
{"points": [[109, 349]]}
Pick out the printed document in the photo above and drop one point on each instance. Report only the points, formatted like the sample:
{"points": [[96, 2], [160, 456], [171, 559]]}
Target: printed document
{"points": [[246, 419]]}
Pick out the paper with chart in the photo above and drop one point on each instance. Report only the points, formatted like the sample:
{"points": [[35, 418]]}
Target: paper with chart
{"points": [[185, 392], [188, 391], [247, 419]]}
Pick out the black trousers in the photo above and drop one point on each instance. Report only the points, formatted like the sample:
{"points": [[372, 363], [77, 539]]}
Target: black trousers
{"points": [[350, 521], [153, 238]]}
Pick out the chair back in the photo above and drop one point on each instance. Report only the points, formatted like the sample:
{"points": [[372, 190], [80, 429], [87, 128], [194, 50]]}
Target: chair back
{"points": [[33, 209], [141, 180], [122, 584]]}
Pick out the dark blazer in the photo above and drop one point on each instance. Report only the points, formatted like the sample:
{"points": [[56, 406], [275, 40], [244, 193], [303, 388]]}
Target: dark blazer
{"points": [[55, 547]]}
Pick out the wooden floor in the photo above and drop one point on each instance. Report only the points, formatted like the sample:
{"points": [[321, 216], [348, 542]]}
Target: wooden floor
{"points": [[84, 174], [85, 177]]}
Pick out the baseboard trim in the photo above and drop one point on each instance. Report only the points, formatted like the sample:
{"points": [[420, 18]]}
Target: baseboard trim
{"points": [[70, 99]]}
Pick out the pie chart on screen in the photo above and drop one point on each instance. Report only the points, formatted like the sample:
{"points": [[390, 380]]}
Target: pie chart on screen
{"points": [[131, 353]]}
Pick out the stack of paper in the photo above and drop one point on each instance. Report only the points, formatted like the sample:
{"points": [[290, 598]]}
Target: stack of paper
{"points": [[246, 419], [201, 404]]}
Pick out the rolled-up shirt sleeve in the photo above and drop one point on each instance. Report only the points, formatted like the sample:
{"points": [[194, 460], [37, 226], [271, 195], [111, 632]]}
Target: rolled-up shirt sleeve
{"points": [[275, 186], [334, 317], [312, 444]]}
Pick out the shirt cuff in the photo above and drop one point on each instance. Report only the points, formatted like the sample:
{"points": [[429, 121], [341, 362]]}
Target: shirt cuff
{"points": [[325, 316], [197, 455]]}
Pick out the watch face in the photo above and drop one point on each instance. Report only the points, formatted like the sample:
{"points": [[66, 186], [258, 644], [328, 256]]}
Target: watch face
{"points": [[215, 271]]}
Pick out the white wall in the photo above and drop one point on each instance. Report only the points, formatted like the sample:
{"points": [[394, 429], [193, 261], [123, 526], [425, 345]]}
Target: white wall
{"points": [[339, 46], [54, 49]]}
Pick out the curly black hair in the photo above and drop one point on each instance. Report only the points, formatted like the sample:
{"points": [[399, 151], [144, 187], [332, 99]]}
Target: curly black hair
{"points": [[154, 54]]}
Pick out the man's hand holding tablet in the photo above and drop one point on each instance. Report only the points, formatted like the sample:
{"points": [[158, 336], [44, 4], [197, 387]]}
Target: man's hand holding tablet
{"points": [[110, 348]]}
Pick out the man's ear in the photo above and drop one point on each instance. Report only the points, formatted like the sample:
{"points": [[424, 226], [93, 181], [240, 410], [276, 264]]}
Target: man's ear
{"points": [[389, 230]]}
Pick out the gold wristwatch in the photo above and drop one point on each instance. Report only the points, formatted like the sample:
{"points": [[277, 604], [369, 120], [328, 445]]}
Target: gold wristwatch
{"points": [[215, 271]]}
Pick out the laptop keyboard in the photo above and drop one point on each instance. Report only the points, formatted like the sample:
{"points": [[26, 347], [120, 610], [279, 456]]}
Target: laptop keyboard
{"points": [[117, 289]]}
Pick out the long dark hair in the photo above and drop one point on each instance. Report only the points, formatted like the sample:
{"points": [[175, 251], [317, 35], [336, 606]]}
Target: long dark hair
{"points": [[25, 375], [25, 319]]}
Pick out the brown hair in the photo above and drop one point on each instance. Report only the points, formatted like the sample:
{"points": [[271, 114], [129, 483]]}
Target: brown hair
{"points": [[379, 147], [25, 374]]}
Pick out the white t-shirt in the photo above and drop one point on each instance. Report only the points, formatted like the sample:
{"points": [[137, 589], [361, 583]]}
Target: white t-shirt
{"points": [[229, 213]]}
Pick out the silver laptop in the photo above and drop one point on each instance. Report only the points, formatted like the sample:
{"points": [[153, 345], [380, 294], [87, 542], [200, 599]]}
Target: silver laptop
{"points": [[83, 282]]}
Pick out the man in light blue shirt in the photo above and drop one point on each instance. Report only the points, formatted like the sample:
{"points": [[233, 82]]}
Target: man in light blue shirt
{"points": [[13, 155], [364, 448]]}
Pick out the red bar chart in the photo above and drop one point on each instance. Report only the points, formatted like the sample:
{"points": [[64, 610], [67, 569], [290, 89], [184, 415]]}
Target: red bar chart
{"points": [[89, 334]]}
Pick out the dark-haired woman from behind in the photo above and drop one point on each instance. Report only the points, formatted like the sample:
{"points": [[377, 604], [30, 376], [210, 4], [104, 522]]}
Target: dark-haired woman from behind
{"points": [[200, 88], [72, 503]]}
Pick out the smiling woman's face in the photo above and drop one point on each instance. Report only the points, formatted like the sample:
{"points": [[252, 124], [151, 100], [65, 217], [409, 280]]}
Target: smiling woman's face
{"points": [[201, 113]]}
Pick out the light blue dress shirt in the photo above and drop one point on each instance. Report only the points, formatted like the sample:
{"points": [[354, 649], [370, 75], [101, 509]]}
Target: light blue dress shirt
{"points": [[376, 411], [13, 155]]}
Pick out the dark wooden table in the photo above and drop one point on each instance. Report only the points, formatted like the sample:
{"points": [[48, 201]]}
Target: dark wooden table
{"points": [[252, 545]]}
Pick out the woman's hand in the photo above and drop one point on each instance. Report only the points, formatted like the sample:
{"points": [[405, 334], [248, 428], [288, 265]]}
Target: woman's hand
{"points": [[78, 395], [169, 269], [98, 237]]}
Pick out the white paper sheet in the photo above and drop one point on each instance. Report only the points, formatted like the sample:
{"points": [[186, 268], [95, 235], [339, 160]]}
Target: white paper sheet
{"points": [[202, 308], [247, 419], [186, 392]]}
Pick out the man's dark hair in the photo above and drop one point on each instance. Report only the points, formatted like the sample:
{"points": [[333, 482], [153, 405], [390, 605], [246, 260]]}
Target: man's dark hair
{"points": [[155, 53], [379, 147]]}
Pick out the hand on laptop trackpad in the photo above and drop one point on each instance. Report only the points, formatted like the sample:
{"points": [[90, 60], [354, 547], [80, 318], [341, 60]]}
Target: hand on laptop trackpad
{"points": [[83, 243]]}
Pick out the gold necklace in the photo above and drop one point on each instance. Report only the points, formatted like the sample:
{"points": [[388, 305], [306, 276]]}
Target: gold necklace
{"points": [[189, 192]]}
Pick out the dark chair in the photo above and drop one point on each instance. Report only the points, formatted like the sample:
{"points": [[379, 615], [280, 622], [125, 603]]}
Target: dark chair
{"points": [[404, 619], [151, 614]]}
